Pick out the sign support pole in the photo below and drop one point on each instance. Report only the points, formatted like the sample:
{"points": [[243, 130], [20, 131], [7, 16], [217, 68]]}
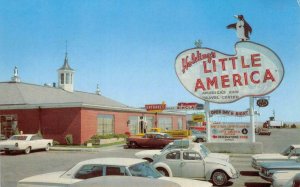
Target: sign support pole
{"points": [[207, 111], [252, 120]]}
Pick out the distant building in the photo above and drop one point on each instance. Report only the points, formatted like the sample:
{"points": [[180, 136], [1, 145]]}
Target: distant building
{"points": [[59, 111]]}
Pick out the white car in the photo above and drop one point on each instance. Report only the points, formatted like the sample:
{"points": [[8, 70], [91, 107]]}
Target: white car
{"points": [[280, 178], [103, 167], [150, 154], [289, 153], [195, 164], [25, 143]]}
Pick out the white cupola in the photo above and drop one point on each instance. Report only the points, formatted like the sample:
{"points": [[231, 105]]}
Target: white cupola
{"points": [[66, 76], [15, 77]]}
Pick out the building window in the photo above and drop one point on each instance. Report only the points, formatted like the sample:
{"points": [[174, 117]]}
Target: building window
{"points": [[133, 124], [67, 78], [165, 123], [150, 121], [71, 80], [179, 123], [105, 124], [62, 78]]}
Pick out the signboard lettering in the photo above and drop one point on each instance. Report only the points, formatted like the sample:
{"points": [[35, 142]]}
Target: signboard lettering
{"points": [[216, 77]]}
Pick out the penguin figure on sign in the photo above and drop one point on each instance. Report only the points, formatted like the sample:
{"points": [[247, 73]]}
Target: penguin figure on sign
{"points": [[243, 29]]}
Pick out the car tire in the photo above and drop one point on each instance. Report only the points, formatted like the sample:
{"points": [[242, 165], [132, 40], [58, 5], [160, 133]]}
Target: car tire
{"points": [[133, 145], [47, 148], [27, 150], [219, 178], [163, 171]]}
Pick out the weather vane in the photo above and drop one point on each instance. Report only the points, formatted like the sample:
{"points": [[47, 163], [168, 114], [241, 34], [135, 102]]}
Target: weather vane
{"points": [[198, 43]]}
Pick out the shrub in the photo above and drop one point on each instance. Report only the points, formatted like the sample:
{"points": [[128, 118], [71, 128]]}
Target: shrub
{"points": [[293, 126], [69, 139]]}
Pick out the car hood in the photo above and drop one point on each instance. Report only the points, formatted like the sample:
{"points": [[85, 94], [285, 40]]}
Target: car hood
{"points": [[268, 156], [219, 156], [49, 178], [290, 164], [211, 160], [147, 153], [187, 182]]}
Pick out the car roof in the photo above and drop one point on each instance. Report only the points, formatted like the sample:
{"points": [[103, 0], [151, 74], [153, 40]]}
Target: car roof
{"points": [[124, 181], [114, 161], [24, 134]]}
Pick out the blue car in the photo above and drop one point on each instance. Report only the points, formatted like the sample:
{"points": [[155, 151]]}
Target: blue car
{"points": [[269, 168]]}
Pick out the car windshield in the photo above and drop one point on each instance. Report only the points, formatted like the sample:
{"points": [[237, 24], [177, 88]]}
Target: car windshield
{"points": [[18, 138], [144, 170], [204, 150], [287, 151]]}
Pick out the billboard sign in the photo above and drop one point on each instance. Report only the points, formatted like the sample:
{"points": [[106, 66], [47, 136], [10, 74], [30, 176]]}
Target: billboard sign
{"points": [[198, 117], [191, 106], [254, 70], [156, 107], [230, 132]]}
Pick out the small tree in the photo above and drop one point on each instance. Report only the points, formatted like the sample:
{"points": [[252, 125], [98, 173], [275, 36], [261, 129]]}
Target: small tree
{"points": [[69, 139], [293, 126]]}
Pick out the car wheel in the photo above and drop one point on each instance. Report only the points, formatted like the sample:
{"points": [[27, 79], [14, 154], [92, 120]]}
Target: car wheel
{"points": [[47, 148], [163, 171], [219, 178], [27, 150], [199, 140], [133, 145]]}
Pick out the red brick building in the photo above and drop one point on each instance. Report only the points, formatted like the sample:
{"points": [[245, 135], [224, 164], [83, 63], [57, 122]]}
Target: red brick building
{"points": [[58, 111]]}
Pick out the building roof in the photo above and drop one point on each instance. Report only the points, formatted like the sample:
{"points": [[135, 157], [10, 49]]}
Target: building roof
{"points": [[14, 93], [20, 95], [66, 65]]}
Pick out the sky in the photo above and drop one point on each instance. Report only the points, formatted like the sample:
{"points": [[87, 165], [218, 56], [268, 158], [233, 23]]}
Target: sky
{"points": [[129, 47]]}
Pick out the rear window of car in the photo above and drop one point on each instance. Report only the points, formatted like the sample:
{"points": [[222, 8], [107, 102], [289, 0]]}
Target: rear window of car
{"points": [[89, 171]]}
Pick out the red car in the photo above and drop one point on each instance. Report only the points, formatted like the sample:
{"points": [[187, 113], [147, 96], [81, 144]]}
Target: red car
{"points": [[151, 139]]}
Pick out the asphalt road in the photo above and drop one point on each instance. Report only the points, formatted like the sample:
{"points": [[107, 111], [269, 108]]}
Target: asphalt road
{"points": [[18, 166]]}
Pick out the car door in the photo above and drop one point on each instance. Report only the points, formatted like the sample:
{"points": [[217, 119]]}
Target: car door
{"points": [[192, 165], [173, 160], [34, 142]]}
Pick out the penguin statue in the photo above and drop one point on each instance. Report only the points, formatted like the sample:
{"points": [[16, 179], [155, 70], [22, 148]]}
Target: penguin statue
{"points": [[243, 29]]}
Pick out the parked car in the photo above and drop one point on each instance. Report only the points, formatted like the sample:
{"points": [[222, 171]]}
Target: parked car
{"points": [[280, 178], [291, 152], [2, 137], [150, 154], [198, 136], [103, 167], [264, 131], [293, 182], [150, 139], [195, 163], [268, 169], [25, 143], [124, 181]]}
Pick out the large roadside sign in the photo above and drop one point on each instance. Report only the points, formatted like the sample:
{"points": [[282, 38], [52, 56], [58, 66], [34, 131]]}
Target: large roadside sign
{"points": [[254, 70]]}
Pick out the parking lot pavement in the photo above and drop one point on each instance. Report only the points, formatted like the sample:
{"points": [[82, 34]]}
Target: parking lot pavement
{"points": [[18, 166]]}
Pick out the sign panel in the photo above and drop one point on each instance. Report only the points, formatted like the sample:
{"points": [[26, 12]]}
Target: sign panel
{"points": [[262, 102], [193, 106], [213, 76], [226, 132], [198, 118], [156, 107], [229, 113]]}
